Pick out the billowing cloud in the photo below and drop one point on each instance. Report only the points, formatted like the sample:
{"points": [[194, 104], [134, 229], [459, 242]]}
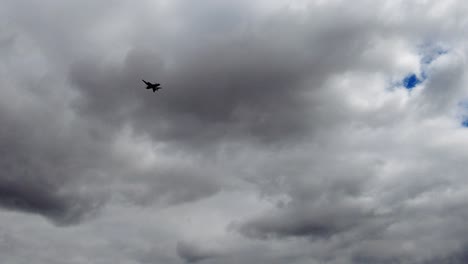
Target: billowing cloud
{"points": [[285, 132]]}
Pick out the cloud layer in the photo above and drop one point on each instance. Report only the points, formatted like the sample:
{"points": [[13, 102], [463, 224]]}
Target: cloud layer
{"points": [[284, 132]]}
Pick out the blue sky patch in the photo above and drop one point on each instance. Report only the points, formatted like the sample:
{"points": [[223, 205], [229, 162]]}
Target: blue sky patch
{"points": [[464, 122], [463, 112], [410, 81], [428, 53]]}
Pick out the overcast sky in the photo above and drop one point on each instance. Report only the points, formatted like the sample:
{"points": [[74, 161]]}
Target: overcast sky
{"points": [[286, 132]]}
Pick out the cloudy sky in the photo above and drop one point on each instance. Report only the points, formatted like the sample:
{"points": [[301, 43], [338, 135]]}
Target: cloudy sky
{"points": [[286, 131]]}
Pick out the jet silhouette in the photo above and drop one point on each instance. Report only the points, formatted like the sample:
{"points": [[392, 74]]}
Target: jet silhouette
{"points": [[154, 86]]}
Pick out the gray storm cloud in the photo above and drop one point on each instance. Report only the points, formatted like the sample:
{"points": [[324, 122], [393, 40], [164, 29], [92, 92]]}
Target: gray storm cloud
{"points": [[282, 133]]}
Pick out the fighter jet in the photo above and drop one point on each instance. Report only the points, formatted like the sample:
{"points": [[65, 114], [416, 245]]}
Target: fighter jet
{"points": [[154, 86]]}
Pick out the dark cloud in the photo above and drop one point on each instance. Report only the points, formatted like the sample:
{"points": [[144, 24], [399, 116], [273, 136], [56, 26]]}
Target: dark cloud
{"points": [[253, 85], [192, 253], [321, 222], [39, 167], [223, 93], [43, 200]]}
